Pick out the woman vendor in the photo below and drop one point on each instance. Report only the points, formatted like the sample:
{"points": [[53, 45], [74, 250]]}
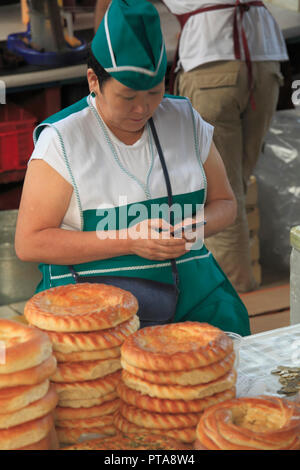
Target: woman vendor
{"points": [[95, 168]]}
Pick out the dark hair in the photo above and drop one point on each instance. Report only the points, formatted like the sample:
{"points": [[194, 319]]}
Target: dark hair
{"points": [[100, 72]]}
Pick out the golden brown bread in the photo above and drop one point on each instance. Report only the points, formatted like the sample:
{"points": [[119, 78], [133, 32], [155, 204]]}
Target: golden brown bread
{"points": [[159, 405], [176, 347], [133, 441], [109, 407], [260, 423], [26, 433], [49, 442], [85, 423], [94, 340], [88, 355], [15, 398], [89, 402], [80, 307], [89, 388], [32, 376], [149, 419], [86, 370], [34, 410], [25, 346], [196, 376], [180, 392], [186, 435]]}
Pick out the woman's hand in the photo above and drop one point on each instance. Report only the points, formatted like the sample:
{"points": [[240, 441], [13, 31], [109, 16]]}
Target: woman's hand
{"points": [[152, 239]]}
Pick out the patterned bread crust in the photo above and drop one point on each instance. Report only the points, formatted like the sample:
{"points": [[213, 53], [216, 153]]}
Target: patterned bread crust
{"points": [[73, 435], [15, 398], [88, 355], [89, 402], [159, 405], [148, 419], [80, 307], [95, 340], [186, 435], [26, 433], [197, 376], [176, 346], [35, 410], [106, 408], [133, 441], [85, 423], [25, 347], [87, 370], [180, 392], [88, 389], [260, 423], [31, 376], [43, 444]]}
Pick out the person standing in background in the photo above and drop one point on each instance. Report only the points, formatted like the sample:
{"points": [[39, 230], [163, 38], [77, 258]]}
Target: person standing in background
{"points": [[228, 65]]}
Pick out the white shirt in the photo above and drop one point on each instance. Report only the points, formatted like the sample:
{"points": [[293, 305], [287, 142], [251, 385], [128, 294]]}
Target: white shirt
{"points": [[208, 37], [100, 178]]}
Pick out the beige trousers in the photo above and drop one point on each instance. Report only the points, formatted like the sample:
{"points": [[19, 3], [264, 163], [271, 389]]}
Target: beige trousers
{"points": [[219, 91]]}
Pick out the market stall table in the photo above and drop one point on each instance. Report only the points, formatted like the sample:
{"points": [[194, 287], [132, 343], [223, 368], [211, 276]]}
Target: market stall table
{"points": [[261, 354]]}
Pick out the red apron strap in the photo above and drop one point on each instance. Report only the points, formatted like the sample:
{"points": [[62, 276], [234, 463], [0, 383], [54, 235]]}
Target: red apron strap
{"points": [[239, 8]]}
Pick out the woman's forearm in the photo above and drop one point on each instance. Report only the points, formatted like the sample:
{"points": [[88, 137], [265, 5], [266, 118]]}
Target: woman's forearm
{"points": [[63, 247], [59, 246], [218, 215]]}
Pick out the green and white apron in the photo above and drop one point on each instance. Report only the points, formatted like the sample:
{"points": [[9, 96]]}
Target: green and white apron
{"points": [[206, 295]]}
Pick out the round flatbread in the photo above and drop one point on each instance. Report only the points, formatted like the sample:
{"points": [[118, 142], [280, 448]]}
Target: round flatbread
{"points": [[107, 408], [22, 347], [176, 346], [32, 376], [196, 376], [180, 392], [86, 370], [186, 435], [34, 410], [160, 405], [259, 423], [26, 434], [94, 340], [89, 402], [80, 307], [84, 390], [149, 420], [86, 423], [47, 443], [16, 398], [88, 355]]}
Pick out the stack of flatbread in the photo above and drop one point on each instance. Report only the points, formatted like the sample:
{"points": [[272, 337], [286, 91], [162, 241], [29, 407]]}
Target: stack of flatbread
{"points": [[27, 398], [87, 324], [171, 374]]}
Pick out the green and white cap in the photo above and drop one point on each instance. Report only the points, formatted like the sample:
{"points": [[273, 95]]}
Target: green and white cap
{"points": [[129, 44]]}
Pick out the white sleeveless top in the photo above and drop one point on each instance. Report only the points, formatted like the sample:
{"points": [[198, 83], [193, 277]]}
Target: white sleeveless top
{"points": [[109, 173]]}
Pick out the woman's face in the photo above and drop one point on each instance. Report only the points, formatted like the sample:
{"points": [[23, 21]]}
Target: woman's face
{"points": [[125, 110]]}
